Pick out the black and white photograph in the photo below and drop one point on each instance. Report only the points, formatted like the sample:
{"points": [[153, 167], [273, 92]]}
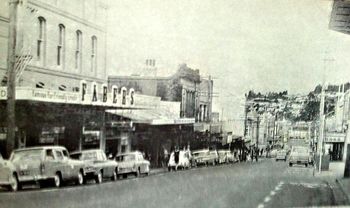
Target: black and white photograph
{"points": [[174, 103]]}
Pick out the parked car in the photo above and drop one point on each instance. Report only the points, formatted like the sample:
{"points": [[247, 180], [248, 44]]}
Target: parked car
{"points": [[205, 157], [132, 163], [273, 153], [281, 155], [299, 155], [226, 156], [97, 166], [8, 175], [183, 160], [46, 164]]}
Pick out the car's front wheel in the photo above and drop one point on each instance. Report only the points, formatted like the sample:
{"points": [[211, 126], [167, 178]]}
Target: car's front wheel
{"points": [[138, 172], [80, 179], [14, 184], [57, 180], [99, 177], [114, 176]]}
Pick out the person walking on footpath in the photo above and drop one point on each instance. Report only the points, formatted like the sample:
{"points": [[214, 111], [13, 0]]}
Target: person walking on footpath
{"points": [[256, 153]]}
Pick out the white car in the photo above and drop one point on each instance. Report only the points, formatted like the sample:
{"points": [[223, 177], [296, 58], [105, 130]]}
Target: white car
{"points": [[8, 175], [132, 163], [184, 160], [225, 156]]}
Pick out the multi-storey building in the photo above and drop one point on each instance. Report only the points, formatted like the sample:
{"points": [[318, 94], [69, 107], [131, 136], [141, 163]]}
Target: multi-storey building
{"points": [[65, 40], [61, 73]]}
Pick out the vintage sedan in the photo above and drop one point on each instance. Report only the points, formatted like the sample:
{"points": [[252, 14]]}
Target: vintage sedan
{"points": [[299, 155], [132, 163], [225, 156], [46, 164], [183, 160], [8, 175], [205, 157], [97, 166], [281, 155]]}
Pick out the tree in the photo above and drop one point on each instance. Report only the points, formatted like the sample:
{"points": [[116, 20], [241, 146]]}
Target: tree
{"points": [[311, 109]]}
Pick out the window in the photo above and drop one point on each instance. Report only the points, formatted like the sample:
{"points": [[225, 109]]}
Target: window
{"points": [[49, 155], [41, 45], [65, 153], [59, 155], [93, 53], [78, 51], [61, 45]]}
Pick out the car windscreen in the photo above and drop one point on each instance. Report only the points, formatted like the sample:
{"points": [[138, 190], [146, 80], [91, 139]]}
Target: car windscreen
{"points": [[24, 155], [124, 158], [301, 150], [200, 154]]}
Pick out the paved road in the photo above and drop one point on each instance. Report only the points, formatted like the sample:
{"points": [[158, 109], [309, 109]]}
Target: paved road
{"points": [[263, 184]]}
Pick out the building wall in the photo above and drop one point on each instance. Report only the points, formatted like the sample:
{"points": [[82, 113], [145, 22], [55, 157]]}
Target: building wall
{"points": [[141, 85], [182, 87], [205, 99], [88, 16]]}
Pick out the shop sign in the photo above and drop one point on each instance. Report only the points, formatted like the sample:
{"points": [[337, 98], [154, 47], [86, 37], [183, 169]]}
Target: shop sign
{"points": [[88, 95], [184, 121], [331, 138], [49, 134], [91, 136]]}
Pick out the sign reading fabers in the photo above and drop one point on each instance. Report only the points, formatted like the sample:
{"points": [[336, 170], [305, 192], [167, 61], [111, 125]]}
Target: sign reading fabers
{"points": [[114, 96], [87, 95]]}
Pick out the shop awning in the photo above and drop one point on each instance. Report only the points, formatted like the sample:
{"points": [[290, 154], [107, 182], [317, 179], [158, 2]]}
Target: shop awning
{"points": [[151, 116]]}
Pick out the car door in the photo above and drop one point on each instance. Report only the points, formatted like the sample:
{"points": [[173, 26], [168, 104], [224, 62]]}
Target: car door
{"points": [[50, 164], [60, 164], [70, 167], [141, 163], [104, 163]]}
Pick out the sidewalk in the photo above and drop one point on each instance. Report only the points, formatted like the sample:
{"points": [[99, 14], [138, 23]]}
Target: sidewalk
{"points": [[155, 171], [344, 185], [336, 172]]}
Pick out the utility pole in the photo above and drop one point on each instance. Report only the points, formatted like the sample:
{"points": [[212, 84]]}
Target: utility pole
{"points": [[11, 79], [257, 130], [322, 118]]}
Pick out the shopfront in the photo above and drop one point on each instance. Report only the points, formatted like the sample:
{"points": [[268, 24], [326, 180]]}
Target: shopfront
{"points": [[152, 131], [75, 120], [334, 145]]}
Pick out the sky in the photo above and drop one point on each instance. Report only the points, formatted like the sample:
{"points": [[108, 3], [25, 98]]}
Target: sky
{"points": [[261, 45]]}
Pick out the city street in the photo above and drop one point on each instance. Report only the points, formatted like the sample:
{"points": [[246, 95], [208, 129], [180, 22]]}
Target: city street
{"points": [[263, 184]]}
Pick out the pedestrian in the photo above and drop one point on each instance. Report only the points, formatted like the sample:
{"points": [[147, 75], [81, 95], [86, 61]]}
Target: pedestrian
{"points": [[256, 153]]}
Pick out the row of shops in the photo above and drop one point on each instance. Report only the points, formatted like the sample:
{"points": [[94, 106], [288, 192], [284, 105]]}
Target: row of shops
{"points": [[48, 117]]}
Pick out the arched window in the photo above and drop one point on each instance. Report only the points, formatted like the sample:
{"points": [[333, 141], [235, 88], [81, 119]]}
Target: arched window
{"points": [[61, 45], [41, 44], [78, 50], [93, 53]]}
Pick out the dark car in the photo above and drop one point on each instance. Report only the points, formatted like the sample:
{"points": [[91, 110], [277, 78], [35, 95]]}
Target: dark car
{"points": [[97, 167]]}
